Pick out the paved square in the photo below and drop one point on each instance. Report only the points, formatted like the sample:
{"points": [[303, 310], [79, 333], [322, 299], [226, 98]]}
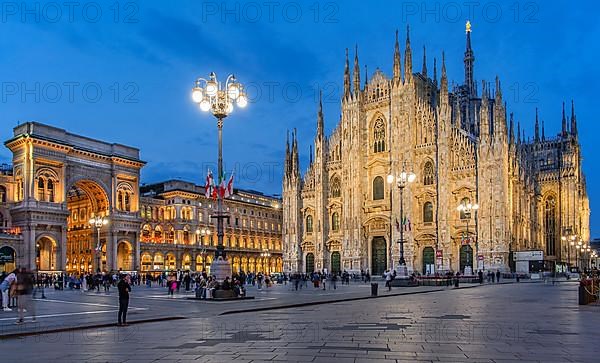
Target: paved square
{"points": [[491, 323]]}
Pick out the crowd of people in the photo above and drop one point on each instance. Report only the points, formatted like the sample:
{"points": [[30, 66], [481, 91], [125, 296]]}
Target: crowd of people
{"points": [[17, 289]]}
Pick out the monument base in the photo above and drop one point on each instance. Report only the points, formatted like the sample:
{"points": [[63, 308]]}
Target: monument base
{"points": [[221, 269], [401, 272]]}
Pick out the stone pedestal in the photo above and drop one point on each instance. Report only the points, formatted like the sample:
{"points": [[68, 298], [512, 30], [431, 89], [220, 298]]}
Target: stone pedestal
{"points": [[221, 269], [401, 272]]}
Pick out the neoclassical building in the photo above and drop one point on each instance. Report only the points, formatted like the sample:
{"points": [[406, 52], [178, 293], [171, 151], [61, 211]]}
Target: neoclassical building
{"points": [[178, 232], [59, 181], [463, 147]]}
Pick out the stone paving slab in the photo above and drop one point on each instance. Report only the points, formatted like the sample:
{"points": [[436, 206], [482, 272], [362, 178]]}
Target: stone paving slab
{"points": [[356, 332]]}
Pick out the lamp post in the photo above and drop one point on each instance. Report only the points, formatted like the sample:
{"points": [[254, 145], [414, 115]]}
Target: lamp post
{"points": [[98, 222], [466, 208], [587, 257], [211, 96], [402, 180], [390, 181], [267, 267], [579, 248], [201, 233]]}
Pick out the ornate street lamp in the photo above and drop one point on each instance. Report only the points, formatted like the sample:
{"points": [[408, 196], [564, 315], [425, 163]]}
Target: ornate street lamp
{"points": [[202, 232], [98, 222], [466, 208], [211, 95], [402, 181]]}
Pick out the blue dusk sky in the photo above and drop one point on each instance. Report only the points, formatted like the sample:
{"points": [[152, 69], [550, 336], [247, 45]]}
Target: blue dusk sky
{"points": [[122, 72]]}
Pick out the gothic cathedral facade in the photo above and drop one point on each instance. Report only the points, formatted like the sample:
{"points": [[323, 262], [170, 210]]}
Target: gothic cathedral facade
{"points": [[463, 147]]}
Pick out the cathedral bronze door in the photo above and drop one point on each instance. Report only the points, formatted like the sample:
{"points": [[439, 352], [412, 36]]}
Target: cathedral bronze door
{"points": [[466, 257], [335, 262], [378, 256], [310, 263], [428, 261]]}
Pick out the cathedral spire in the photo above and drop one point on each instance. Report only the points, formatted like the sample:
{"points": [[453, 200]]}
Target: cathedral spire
{"points": [[435, 71], [469, 60], [484, 113], [295, 159], [424, 69], [518, 132], [498, 91], [444, 80], [347, 76], [397, 69], [366, 76], [407, 57], [511, 129], [286, 167], [564, 121], [537, 126], [573, 120], [320, 123], [543, 132], [356, 74]]}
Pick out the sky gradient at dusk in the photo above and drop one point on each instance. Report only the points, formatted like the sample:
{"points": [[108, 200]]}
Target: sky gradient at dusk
{"points": [[123, 73]]}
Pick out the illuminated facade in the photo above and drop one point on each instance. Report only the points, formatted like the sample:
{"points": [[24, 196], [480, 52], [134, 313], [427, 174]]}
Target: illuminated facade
{"points": [[10, 237], [342, 214], [179, 234], [59, 181]]}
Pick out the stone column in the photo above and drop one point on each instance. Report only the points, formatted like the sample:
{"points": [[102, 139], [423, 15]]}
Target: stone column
{"points": [[62, 245], [111, 250], [137, 265]]}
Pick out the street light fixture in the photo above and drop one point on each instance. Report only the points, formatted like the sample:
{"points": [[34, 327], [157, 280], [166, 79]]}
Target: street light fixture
{"points": [[466, 208], [402, 181], [98, 222], [203, 232], [212, 96]]}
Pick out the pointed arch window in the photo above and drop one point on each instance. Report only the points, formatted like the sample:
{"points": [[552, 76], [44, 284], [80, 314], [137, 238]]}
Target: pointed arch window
{"points": [[379, 136], [378, 189], [336, 187], [428, 212], [335, 221], [309, 224], [428, 174], [550, 225]]}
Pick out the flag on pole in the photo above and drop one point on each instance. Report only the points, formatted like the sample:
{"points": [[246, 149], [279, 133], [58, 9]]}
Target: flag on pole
{"points": [[229, 188], [406, 224], [208, 187], [221, 186]]}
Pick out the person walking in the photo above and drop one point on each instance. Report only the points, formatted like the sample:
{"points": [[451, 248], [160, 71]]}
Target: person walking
{"points": [[498, 274], [24, 291], [480, 274], [388, 280], [124, 288], [5, 288]]}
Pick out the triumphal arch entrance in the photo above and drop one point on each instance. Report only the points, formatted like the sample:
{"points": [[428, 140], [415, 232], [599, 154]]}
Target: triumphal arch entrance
{"points": [[62, 181]]}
